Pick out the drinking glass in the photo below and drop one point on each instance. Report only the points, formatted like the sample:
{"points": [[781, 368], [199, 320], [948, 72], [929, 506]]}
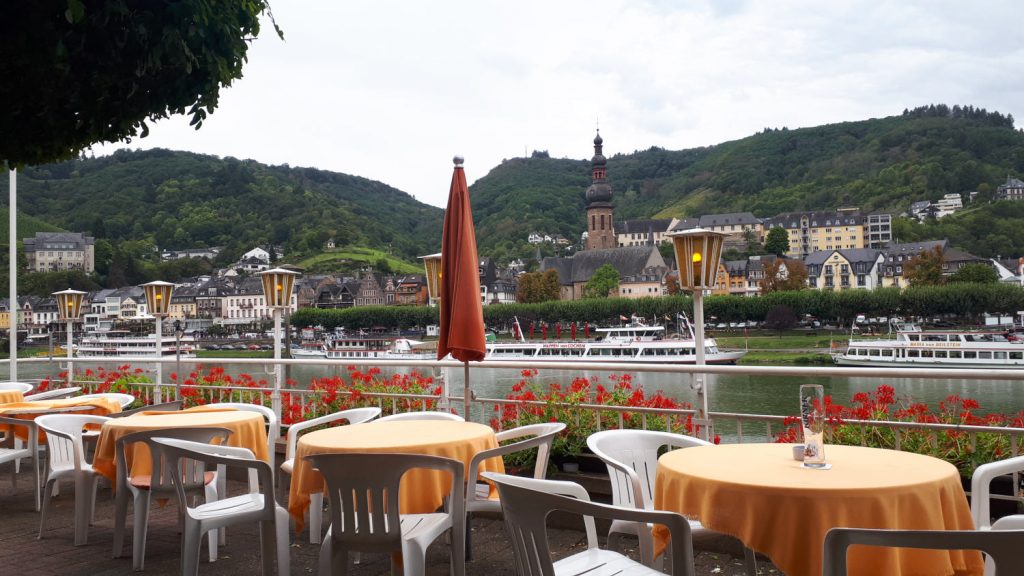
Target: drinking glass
{"points": [[812, 418]]}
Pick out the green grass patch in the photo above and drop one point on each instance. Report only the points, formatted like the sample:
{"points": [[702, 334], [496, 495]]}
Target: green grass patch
{"points": [[234, 353], [759, 358], [351, 258], [780, 341]]}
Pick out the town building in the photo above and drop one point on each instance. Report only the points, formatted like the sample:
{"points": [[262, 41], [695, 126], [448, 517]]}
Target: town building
{"points": [[643, 232], [897, 255], [846, 269], [54, 251], [820, 231], [1013, 189], [208, 253], [877, 230], [635, 264], [739, 226], [600, 225], [948, 204]]}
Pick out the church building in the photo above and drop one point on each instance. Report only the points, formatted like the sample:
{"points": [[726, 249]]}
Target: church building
{"points": [[600, 229]]}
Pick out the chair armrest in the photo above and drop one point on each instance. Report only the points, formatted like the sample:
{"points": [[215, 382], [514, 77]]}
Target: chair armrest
{"points": [[31, 427], [1003, 546], [474, 465], [980, 487]]}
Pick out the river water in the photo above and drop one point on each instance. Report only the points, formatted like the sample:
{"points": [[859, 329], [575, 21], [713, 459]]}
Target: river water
{"points": [[776, 395]]}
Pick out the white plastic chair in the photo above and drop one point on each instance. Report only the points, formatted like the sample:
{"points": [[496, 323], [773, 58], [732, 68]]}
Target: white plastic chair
{"points": [[23, 387], [158, 484], [67, 460], [255, 506], [54, 394], [28, 449], [364, 494], [526, 504], [423, 415], [316, 503], [539, 436], [273, 425], [632, 460], [125, 400], [1002, 546], [981, 483]]}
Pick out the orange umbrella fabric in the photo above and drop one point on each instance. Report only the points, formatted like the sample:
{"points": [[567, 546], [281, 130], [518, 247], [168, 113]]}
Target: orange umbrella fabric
{"points": [[462, 314]]}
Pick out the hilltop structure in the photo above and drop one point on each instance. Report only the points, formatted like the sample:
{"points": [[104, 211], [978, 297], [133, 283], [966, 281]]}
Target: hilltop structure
{"points": [[53, 251], [600, 225]]}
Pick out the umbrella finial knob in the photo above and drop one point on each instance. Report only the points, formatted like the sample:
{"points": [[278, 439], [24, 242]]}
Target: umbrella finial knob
{"points": [[458, 160]]}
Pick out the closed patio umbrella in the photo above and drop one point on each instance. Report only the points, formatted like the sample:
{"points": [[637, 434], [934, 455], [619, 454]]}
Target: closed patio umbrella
{"points": [[462, 315]]}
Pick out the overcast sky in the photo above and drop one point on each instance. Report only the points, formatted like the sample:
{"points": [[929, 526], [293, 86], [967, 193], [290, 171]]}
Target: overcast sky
{"points": [[392, 90]]}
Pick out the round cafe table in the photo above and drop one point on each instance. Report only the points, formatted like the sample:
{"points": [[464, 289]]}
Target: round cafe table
{"points": [[422, 491], [247, 431], [759, 494]]}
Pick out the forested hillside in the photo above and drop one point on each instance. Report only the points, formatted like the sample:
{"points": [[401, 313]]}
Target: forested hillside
{"points": [[175, 200], [878, 164]]}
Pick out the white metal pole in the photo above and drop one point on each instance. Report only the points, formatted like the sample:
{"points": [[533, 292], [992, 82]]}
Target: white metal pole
{"points": [[275, 397], [698, 377], [159, 366], [71, 367], [12, 270]]}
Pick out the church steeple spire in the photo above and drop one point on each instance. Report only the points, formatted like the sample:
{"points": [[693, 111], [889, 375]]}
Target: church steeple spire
{"points": [[600, 231]]}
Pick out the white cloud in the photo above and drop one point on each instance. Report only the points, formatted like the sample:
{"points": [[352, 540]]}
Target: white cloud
{"points": [[392, 90]]}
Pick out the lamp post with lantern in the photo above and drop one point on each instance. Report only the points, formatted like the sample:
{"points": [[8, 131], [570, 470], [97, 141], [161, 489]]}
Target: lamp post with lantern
{"points": [[277, 292], [69, 307], [698, 253], [158, 300]]}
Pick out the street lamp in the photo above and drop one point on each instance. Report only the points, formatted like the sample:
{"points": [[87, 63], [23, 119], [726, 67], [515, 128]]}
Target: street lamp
{"points": [[432, 268], [179, 330], [277, 292], [158, 300], [698, 253], [69, 307]]}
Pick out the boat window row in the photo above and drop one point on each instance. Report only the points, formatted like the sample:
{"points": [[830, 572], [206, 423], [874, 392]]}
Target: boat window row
{"points": [[956, 338], [952, 354]]}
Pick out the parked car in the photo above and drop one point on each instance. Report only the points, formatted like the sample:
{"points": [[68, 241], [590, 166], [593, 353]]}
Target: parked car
{"points": [[212, 347]]}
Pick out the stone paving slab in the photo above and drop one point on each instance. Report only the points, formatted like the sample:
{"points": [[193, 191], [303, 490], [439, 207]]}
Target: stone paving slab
{"points": [[22, 554]]}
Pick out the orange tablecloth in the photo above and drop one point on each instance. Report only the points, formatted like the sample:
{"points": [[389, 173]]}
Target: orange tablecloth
{"points": [[759, 494], [7, 396], [32, 410], [247, 431], [456, 440]]}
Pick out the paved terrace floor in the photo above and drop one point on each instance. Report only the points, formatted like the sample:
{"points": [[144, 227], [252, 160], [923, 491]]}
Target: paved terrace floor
{"points": [[22, 554]]}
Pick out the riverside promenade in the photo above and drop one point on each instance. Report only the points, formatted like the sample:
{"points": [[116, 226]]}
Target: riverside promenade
{"points": [[22, 554]]}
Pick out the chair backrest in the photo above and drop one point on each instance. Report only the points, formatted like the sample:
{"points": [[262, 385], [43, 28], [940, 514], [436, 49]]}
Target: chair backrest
{"points": [[161, 476], [981, 482], [352, 415], [364, 490], [161, 407], [54, 394], [632, 460], [423, 415], [273, 425], [527, 502], [64, 438], [125, 400], [538, 436], [192, 458], [1002, 546], [23, 387]]}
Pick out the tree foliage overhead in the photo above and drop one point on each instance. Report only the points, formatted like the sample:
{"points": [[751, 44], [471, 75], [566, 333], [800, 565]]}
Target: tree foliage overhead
{"points": [[80, 72], [604, 283], [925, 269], [538, 287]]}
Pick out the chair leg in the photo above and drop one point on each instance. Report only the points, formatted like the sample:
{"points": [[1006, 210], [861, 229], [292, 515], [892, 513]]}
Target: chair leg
{"points": [[468, 541], [92, 500], [750, 561], [120, 518], [213, 535], [190, 542], [283, 542], [333, 560], [45, 507], [458, 552], [39, 486], [140, 522], [316, 517], [83, 507], [268, 545]]}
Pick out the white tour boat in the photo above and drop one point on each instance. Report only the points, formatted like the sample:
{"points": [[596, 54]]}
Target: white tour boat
{"points": [[916, 348], [636, 342], [310, 349], [121, 343], [376, 347]]}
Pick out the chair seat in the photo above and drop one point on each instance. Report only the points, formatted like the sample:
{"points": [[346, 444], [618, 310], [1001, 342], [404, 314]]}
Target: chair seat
{"points": [[597, 562], [144, 481], [288, 465], [228, 507]]}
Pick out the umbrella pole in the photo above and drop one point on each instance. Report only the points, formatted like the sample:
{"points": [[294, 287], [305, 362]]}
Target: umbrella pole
{"points": [[465, 391]]}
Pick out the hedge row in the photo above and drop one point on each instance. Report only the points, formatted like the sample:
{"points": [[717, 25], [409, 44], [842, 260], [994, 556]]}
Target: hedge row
{"points": [[963, 300]]}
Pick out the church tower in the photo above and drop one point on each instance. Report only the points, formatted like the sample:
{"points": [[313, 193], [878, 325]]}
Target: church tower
{"points": [[600, 231]]}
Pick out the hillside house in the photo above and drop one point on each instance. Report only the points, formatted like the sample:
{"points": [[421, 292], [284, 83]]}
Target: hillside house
{"points": [[857, 268], [54, 251]]}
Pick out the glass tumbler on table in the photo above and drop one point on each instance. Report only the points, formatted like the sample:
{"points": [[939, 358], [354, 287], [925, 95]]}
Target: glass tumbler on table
{"points": [[812, 419]]}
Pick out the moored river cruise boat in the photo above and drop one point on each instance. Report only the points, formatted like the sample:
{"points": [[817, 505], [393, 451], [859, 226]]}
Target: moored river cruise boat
{"points": [[916, 348], [636, 342], [121, 343]]}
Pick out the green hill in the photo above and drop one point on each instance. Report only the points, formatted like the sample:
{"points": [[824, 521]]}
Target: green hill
{"points": [[27, 225], [878, 164], [182, 200]]}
